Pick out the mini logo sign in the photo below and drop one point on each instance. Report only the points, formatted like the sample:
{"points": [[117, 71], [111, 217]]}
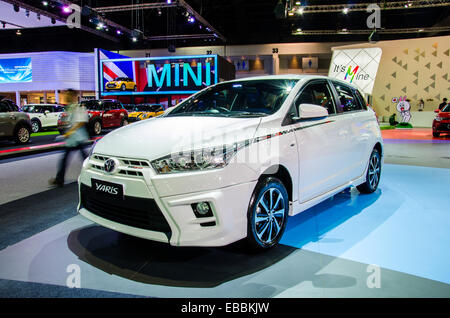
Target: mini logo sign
{"points": [[110, 165], [351, 73]]}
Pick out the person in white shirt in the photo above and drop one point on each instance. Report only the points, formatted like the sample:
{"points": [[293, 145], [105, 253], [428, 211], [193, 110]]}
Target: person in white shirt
{"points": [[76, 137]]}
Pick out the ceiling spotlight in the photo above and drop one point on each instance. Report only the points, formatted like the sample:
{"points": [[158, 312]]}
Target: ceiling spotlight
{"points": [[45, 3], [297, 3], [100, 25], [300, 10], [420, 30], [169, 1], [191, 19], [16, 8], [27, 13], [118, 32], [159, 12], [291, 13], [53, 21], [4, 24], [67, 9], [18, 32], [134, 39], [344, 30], [38, 16], [345, 11]]}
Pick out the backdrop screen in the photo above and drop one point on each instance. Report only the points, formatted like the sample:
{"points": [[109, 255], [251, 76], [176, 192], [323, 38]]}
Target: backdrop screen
{"points": [[15, 70]]}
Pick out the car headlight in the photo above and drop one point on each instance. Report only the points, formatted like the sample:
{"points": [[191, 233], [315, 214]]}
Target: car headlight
{"points": [[198, 160], [438, 118]]}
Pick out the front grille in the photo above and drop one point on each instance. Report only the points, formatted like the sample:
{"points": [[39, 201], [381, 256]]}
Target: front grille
{"points": [[136, 212], [444, 126], [125, 161]]}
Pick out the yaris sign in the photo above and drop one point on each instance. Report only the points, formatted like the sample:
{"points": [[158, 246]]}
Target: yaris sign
{"points": [[356, 66]]}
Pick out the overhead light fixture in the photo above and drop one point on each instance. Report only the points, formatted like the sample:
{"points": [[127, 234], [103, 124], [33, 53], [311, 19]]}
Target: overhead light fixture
{"points": [[38, 16], [345, 10], [300, 10], [159, 12], [291, 13], [45, 3], [67, 9], [134, 39], [53, 21], [18, 32], [191, 19], [16, 8], [169, 1], [297, 3], [27, 13], [118, 32], [420, 30]]}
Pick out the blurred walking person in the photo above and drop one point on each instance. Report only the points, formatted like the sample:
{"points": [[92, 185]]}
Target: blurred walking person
{"points": [[76, 137]]}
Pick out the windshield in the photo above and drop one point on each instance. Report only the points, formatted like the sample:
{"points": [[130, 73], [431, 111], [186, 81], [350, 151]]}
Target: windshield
{"points": [[92, 105], [146, 108], [29, 109], [237, 99]]}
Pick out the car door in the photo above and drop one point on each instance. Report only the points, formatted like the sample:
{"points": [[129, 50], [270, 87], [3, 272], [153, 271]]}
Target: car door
{"points": [[39, 112], [6, 123], [317, 142], [350, 135], [107, 114]]}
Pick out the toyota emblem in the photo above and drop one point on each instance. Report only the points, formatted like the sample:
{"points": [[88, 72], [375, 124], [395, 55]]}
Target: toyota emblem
{"points": [[110, 165]]}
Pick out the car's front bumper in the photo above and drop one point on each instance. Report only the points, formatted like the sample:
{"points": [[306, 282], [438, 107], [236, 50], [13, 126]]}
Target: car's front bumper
{"points": [[229, 205], [441, 126]]}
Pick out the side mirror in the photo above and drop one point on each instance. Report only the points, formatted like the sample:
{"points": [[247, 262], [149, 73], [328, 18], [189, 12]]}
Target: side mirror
{"points": [[47, 112], [311, 111], [437, 110]]}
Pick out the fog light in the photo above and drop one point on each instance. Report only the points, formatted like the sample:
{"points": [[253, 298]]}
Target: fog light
{"points": [[202, 209]]}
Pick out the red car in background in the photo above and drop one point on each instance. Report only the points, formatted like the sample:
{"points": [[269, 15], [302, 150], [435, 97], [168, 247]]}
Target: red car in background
{"points": [[441, 124], [103, 114]]}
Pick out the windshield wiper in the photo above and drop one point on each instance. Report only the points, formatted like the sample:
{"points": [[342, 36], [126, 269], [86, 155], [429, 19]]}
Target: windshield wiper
{"points": [[249, 114]]}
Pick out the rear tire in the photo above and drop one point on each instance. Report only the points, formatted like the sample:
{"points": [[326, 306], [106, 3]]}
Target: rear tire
{"points": [[373, 174], [267, 214], [436, 134], [22, 135], [124, 122]]}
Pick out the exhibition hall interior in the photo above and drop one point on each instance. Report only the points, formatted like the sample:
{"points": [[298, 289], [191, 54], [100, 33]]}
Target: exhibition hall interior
{"points": [[224, 149]]}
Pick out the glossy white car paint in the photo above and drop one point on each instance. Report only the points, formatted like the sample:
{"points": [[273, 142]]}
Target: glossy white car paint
{"points": [[322, 156], [46, 118]]}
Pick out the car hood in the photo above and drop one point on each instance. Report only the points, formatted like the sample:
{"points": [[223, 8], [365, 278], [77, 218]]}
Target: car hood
{"points": [[157, 137]]}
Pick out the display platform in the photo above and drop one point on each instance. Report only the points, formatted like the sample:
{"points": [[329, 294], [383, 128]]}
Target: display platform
{"points": [[330, 250]]}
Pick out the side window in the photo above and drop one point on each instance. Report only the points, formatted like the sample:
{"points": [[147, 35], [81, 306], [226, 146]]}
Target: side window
{"points": [[317, 94], [49, 108], [3, 107], [347, 101], [361, 99]]}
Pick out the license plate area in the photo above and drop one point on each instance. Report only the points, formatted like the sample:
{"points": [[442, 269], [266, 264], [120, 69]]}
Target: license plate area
{"points": [[108, 189]]}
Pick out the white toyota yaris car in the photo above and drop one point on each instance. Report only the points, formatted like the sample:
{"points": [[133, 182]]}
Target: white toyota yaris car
{"points": [[233, 162]]}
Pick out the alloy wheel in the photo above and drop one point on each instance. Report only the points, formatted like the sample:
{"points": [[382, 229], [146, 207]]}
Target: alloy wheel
{"points": [[23, 135], [374, 171], [97, 128], [270, 215], [34, 126]]}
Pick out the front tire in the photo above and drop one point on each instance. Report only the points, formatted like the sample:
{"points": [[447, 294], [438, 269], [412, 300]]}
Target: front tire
{"points": [[373, 174], [267, 214], [124, 122], [35, 126], [97, 128]]}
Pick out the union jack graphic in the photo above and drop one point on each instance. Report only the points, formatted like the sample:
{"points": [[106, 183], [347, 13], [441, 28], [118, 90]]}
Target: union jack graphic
{"points": [[112, 70]]}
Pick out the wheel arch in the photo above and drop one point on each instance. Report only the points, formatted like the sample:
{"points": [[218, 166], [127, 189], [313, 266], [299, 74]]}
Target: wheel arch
{"points": [[282, 173]]}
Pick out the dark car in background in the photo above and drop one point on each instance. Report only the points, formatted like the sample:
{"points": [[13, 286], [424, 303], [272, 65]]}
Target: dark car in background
{"points": [[14, 125], [441, 123]]}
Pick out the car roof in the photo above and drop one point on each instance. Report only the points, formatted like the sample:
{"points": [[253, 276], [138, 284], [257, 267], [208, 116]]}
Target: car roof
{"points": [[291, 77], [44, 105]]}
